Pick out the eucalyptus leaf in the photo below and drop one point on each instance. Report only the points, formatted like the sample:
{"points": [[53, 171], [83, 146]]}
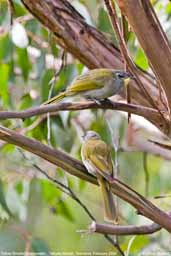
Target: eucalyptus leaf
{"points": [[3, 200], [4, 75]]}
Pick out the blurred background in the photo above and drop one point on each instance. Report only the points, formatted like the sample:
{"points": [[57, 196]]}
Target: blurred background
{"points": [[35, 215]]}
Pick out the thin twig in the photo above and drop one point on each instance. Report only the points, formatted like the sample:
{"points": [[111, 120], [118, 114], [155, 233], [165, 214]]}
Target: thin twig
{"points": [[146, 173], [115, 244], [148, 113], [124, 230], [124, 35], [12, 10], [113, 17], [52, 84]]}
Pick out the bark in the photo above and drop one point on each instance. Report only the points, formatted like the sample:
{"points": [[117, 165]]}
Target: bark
{"points": [[149, 113], [144, 22], [76, 168], [90, 46], [123, 230]]}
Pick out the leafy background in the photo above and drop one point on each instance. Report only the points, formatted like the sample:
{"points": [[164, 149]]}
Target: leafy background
{"points": [[34, 214]]}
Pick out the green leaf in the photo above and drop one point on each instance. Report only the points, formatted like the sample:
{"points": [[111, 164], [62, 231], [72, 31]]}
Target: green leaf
{"points": [[19, 10], [66, 77], [34, 205], [63, 209], [168, 8], [104, 25], [6, 43], [141, 59], [103, 21], [19, 187], [4, 75], [3, 200], [45, 87], [25, 102], [39, 246], [8, 148], [82, 185], [135, 244], [50, 192], [24, 62], [40, 65]]}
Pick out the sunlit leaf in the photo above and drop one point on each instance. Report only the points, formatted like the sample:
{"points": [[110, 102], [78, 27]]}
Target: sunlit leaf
{"points": [[26, 102], [50, 193], [82, 185], [141, 59], [5, 43], [8, 148], [4, 75]]}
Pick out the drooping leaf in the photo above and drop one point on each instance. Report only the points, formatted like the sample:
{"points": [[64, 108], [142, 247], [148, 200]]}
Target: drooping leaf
{"points": [[63, 209], [82, 185], [4, 75], [50, 193], [24, 62], [3, 200], [25, 102], [141, 59]]}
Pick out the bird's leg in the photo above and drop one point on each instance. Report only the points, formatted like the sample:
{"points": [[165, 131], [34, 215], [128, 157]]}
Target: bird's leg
{"points": [[106, 100], [95, 100], [101, 101]]}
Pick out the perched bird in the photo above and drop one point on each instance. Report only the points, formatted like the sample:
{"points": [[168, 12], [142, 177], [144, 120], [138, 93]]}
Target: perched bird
{"points": [[96, 84], [96, 157]]}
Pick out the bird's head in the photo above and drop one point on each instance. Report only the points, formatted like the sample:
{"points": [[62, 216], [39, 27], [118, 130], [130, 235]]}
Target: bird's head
{"points": [[90, 135], [125, 76]]}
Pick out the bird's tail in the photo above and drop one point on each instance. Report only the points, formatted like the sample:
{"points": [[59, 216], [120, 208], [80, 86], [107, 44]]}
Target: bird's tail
{"points": [[57, 98], [110, 214]]}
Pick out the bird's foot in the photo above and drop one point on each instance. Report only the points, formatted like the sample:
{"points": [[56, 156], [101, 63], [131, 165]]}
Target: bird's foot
{"points": [[106, 100], [98, 102], [101, 101]]}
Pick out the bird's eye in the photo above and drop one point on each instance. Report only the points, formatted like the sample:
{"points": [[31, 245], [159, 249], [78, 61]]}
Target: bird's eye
{"points": [[121, 75]]}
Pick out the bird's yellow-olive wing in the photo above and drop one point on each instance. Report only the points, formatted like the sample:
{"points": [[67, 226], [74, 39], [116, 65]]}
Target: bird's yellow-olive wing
{"points": [[100, 157], [94, 79]]}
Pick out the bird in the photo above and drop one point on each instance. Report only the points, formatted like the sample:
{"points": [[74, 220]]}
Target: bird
{"points": [[96, 157], [96, 84]]}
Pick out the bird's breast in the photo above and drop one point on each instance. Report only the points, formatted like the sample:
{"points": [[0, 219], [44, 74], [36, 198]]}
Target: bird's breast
{"points": [[86, 161], [110, 89]]}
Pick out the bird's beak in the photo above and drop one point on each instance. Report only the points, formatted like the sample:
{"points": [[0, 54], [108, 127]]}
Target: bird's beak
{"points": [[126, 81], [128, 77], [83, 136]]}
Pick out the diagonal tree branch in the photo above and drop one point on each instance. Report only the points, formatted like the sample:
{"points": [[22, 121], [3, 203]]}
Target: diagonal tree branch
{"points": [[123, 48], [86, 43], [149, 113], [123, 230], [76, 168], [152, 38]]}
